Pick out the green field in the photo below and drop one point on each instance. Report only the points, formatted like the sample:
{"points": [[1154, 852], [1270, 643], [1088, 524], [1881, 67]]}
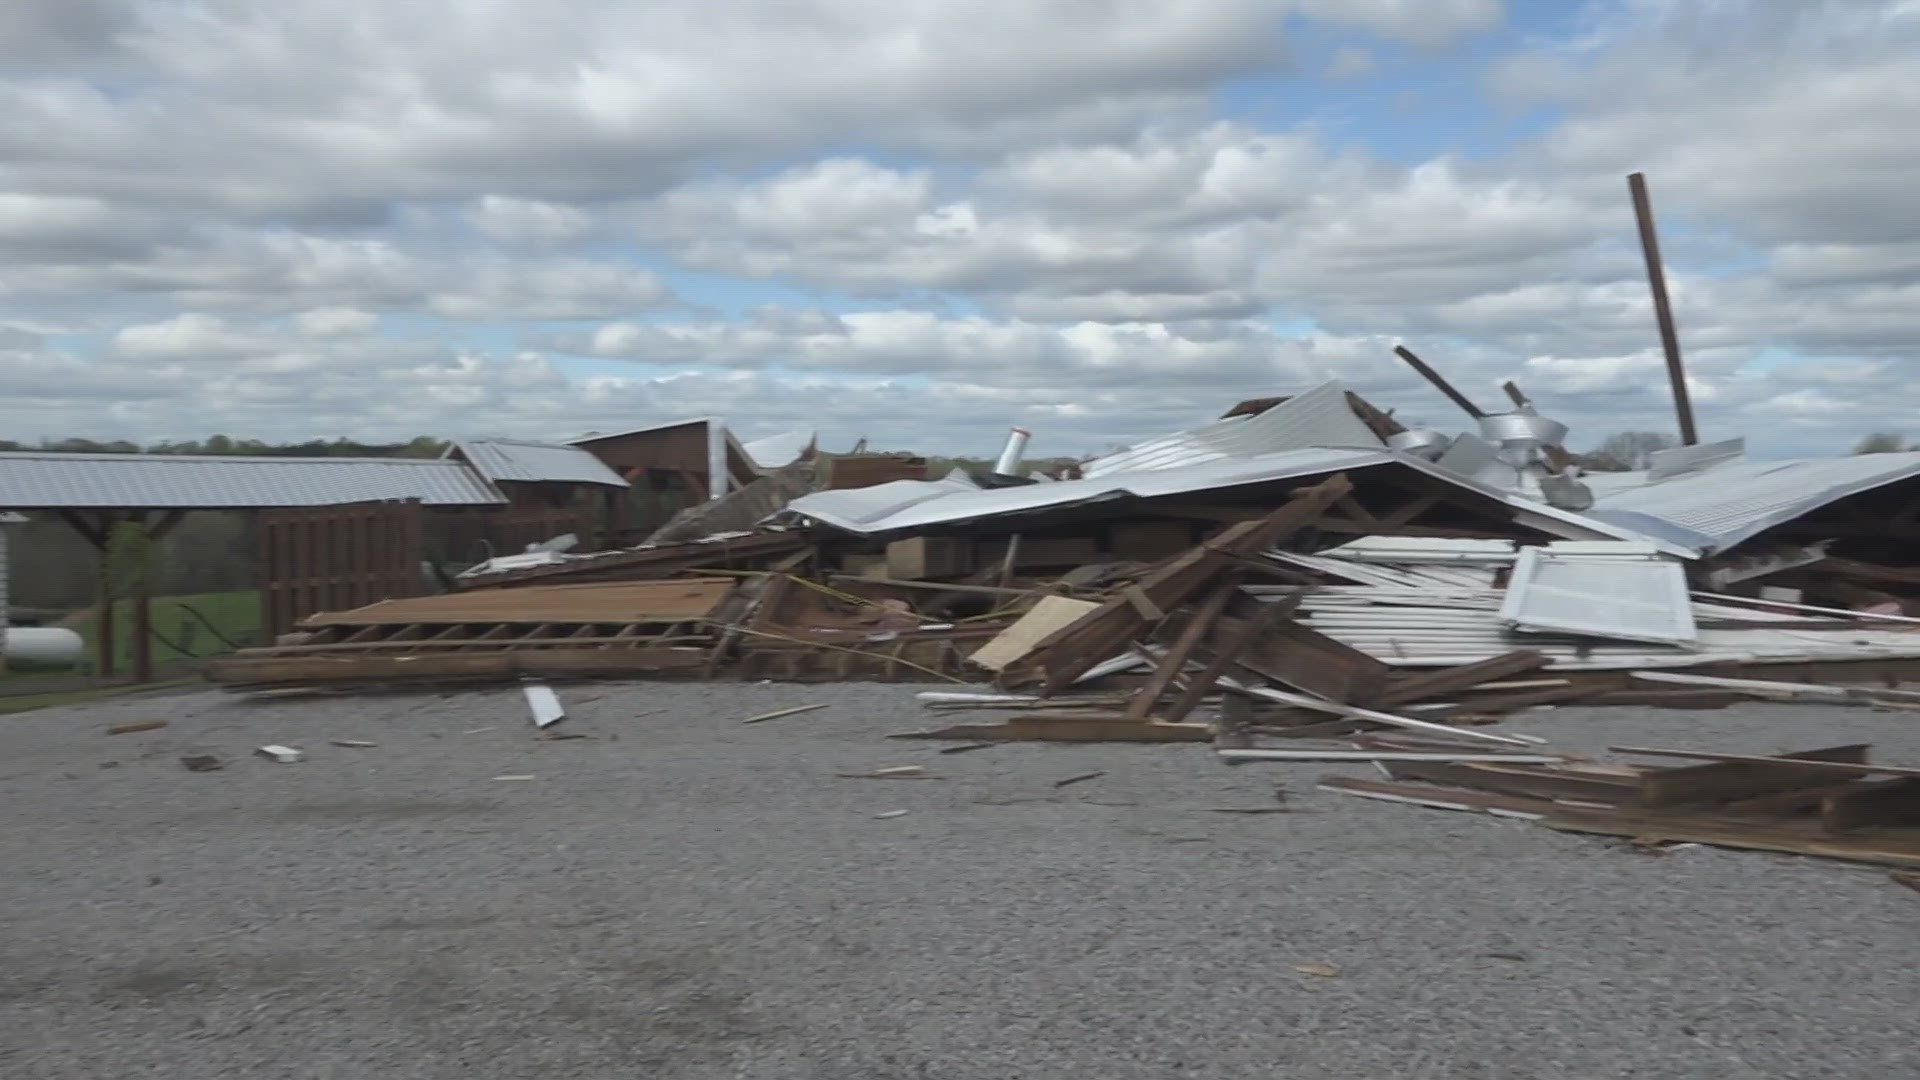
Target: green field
{"points": [[236, 615]]}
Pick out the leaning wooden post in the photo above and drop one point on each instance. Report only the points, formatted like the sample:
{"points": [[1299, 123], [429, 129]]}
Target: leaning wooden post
{"points": [[103, 618], [1662, 307]]}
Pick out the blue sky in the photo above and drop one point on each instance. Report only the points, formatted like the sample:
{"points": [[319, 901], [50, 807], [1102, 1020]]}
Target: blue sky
{"points": [[922, 222]]}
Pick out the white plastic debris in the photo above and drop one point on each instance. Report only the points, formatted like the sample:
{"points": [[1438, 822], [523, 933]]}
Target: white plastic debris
{"points": [[545, 704], [285, 755]]}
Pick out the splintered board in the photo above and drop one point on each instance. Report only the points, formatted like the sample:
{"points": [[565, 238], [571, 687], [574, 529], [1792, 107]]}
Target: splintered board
{"points": [[670, 601], [1804, 804], [1050, 614]]}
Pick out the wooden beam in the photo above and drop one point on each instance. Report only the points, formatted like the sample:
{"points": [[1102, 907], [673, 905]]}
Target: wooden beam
{"points": [[169, 521], [1872, 805], [1455, 680], [142, 603], [1231, 648], [1143, 604], [1662, 307], [94, 533], [1413, 508], [1433, 377], [1057, 727], [1299, 656], [1784, 761], [932, 586], [1144, 699], [1520, 780], [1068, 653], [103, 638], [1350, 506], [1658, 825], [1727, 781], [455, 667]]}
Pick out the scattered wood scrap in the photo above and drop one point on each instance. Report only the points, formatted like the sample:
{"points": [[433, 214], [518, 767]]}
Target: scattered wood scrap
{"points": [[778, 713], [1828, 803]]}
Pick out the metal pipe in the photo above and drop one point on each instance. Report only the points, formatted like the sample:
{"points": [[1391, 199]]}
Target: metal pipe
{"points": [[1439, 383], [1662, 308], [716, 458], [1513, 394], [1009, 462]]}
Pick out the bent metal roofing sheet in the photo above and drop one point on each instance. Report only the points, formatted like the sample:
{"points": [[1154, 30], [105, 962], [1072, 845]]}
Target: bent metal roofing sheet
{"points": [[907, 504], [1321, 417], [1730, 502]]}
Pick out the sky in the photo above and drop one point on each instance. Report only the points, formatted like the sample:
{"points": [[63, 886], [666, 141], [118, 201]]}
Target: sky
{"points": [[922, 221]]}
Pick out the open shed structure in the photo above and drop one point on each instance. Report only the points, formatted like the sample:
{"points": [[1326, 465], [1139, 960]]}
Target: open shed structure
{"points": [[334, 532]]}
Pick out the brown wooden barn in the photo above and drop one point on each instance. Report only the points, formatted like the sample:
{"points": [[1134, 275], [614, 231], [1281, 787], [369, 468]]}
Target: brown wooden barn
{"points": [[668, 467]]}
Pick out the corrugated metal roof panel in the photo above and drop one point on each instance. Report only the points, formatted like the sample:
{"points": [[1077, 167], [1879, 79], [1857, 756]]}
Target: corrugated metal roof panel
{"points": [[1629, 595], [1734, 501], [1439, 637], [911, 503], [920, 503], [775, 451], [32, 480], [1425, 549], [506, 459], [1321, 417]]}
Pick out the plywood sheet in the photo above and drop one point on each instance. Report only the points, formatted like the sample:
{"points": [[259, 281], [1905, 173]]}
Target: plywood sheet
{"points": [[1050, 614], [673, 600]]}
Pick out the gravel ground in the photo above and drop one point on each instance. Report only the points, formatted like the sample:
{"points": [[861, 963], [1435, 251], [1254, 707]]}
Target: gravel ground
{"points": [[682, 896]]}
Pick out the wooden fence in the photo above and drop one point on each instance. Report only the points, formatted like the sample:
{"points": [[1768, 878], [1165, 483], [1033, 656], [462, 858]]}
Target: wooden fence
{"points": [[332, 558]]}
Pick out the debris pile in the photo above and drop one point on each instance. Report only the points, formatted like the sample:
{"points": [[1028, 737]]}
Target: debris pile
{"points": [[1279, 576], [1307, 554]]}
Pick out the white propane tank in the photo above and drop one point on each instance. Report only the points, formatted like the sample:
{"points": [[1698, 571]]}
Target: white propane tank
{"points": [[43, 646]]}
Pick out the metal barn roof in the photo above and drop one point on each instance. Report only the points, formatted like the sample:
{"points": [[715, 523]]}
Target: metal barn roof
{"points": [[1730, 502], [40, 480], [531, 462]]}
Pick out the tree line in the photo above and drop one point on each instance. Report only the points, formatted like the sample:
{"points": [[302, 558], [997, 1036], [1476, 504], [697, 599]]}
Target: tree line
{"points": [[420, 446]]}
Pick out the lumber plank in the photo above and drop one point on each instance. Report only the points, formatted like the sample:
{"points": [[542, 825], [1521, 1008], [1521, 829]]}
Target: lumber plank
{"points": [[1726, 781], [1074, 649], [1831, 767], [1143, 604], [1107, 727], [1553, 784], [1299, 656], [1701, 698], [453, 667], [1456, 679], [1017, 641], [1175, 659], [1878, 804], [1698, 829], [1438, 798], [1511, 701], [1232, 647]]}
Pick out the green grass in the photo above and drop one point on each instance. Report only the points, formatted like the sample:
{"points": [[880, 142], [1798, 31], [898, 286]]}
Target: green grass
{"points": [[235, 614]]}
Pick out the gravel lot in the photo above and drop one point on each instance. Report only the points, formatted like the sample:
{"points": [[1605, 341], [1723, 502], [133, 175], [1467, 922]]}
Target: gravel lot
{"points": [[683, 896]]}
